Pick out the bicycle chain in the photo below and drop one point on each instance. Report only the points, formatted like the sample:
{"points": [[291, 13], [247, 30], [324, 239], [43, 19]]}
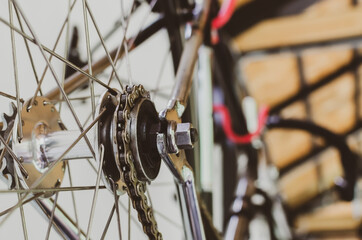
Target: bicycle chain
{"points": [[136, 189]]}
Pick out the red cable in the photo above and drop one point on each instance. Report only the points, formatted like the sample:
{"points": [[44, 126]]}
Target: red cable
{"points": [[231, 135], [225, 13]]}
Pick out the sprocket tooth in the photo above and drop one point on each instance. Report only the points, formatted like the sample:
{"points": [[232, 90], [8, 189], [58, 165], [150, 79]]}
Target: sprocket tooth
{"points": [[11, 115], [7, 117], [9, 178]]}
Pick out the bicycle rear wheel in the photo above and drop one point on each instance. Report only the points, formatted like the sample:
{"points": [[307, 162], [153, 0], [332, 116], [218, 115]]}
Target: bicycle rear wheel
{"points": [[35, 48]]}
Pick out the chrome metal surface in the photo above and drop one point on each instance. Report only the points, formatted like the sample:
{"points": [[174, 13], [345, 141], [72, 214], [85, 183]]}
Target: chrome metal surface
{"points": [[38, 121], [185, 136], [186, 189], [181, 90], [171, 137], [46, 147], [190, 206]]}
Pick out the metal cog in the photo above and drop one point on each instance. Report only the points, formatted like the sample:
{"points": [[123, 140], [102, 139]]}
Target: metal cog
{"points": [[7, 166]]}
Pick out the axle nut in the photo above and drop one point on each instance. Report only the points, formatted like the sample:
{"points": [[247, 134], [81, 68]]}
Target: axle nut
{"points": [[185, 135]]}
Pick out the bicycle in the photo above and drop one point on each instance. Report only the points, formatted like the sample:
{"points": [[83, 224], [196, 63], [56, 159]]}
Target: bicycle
{"points": [[114, 117], [127, 123]]}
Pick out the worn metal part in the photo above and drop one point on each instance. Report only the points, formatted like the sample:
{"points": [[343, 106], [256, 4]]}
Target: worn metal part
{"points": [[136, 189], [171, 137], [38, 121], [106, 136], [184, 179], [144, 127], [7, 166]]}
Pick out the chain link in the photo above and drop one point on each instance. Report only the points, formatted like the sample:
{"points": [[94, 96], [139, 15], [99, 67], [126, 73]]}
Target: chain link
{"points": [[136, 189]]}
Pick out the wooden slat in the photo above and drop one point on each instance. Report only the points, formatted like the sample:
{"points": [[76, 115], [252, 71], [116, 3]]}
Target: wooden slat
{"points": [[354, 141], [319, 62], [271, 79], [316, 175], [335, 217], [333, 105], [284, 146], [301, 29], [307, 180], [324, 7]]}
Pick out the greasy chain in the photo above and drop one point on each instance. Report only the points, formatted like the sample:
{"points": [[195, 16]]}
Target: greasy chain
{"points": [[136, 189]]}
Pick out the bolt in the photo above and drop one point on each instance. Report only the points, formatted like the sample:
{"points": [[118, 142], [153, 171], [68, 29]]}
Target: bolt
{"points": [[186, 135]]}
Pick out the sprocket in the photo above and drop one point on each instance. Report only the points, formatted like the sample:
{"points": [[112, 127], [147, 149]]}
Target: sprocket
{"points": [[7, 166]]}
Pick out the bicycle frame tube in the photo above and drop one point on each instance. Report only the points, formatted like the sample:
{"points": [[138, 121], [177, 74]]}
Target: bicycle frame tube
{"points": [[177, 163]]}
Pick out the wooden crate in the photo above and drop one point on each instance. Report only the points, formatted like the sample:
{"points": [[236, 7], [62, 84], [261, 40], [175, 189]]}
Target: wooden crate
{"points": [[273, 77]]}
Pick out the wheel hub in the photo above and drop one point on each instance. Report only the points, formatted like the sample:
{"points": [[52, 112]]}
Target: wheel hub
{"points": [[144, 125], [38, 122]]}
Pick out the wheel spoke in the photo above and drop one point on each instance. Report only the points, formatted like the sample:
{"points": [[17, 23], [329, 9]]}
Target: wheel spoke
{"points": [[128, 44], [28, 51], [108, 221], [125, 45], [14, 157], [66, 50], [73, 201], [65, 23], [90, 71], [95, 195], [64, 60], [82, 98], [159, 213], [7, 142], [103, 43], [116, 197], [58, 189], [23, 222], [9, 96], [15, 68], [160, 74], [24, 201], [165, 217], [52, 216]]}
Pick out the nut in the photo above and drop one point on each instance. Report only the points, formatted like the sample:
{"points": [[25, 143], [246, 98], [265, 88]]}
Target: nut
{"points": [[185, 135]]}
